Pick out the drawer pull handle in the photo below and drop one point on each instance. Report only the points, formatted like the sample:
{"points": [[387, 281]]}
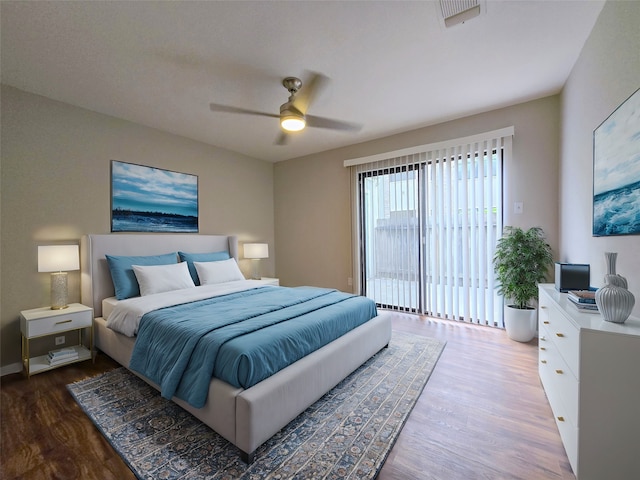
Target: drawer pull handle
{"points": [[561, 419], [543, 338], [560, 334], [64, 321], [546, 322], [543, 361], [543, 306], [559, 372], [542, 348]]}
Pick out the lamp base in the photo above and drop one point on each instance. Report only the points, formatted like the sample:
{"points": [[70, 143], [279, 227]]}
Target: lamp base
{"points": [[256, 269], [59, 290]]}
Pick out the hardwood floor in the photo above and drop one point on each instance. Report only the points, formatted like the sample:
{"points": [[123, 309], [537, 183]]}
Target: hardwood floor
{"points": [[483, 414]]}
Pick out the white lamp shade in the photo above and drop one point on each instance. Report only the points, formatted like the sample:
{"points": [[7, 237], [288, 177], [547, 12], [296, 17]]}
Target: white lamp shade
{"points": [[256, 250], [58, 258]]}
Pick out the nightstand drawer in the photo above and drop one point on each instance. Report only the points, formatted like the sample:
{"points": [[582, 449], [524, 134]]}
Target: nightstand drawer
{"points": [[58, 323]]}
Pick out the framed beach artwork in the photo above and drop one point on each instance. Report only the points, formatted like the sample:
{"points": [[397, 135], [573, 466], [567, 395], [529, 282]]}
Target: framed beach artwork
{"points": [[616, 171], [149, 199]]}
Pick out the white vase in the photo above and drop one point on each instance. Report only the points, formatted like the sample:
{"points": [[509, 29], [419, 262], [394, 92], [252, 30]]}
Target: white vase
{"points": [[610, 259], [614, 301], [615, 279]]}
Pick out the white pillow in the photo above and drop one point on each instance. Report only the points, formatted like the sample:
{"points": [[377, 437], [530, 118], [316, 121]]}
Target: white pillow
{"points": [[218, 272], [163, 278]]}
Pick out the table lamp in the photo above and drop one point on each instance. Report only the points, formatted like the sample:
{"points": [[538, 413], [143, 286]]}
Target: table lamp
{"points": [[256, 251], [58, 259]]}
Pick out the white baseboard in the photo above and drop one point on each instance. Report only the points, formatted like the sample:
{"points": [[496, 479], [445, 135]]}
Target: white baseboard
{"points": [[9, 369]]}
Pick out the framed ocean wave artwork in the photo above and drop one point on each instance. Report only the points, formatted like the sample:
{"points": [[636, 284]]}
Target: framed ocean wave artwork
{"points": [[149, 199], [616, 171]]}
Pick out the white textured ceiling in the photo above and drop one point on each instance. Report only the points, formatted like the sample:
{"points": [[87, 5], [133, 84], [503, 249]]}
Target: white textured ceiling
{"points": [[393, 65]]}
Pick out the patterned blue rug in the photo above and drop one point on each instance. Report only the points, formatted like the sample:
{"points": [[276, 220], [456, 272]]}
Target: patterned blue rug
{"points": [[348, 433]]}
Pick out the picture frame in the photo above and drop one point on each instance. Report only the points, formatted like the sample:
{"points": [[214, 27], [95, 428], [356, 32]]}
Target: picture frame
{"points": [[616, 171], [150, 199]]}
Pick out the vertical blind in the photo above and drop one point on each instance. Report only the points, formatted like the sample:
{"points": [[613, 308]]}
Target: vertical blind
{"points": [[426, 221]]}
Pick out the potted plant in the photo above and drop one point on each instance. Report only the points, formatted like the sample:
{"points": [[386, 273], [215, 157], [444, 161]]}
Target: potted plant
{"points": [[522, 260]]}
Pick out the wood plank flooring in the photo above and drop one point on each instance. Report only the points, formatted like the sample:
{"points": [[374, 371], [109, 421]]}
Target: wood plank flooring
{"points": [[482, 415]]}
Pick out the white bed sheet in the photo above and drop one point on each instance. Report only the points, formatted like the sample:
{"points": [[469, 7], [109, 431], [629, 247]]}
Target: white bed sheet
{"points": [[125, 315], [108, 304]]}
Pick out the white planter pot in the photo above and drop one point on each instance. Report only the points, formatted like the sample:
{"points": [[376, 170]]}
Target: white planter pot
{"points": [[520, 323]]}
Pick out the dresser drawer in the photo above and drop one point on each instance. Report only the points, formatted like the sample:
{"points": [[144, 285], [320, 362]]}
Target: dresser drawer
{"points": [[563, 334], [562, 414], [559, 382], [58, 323], [569, 435]]}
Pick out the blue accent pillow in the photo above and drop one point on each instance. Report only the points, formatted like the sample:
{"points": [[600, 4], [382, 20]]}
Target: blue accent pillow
{"points": [[201, 257], [124, 280]]}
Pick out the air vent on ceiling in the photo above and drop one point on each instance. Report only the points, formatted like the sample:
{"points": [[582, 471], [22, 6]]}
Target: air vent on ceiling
{"points": [[459, 11]]}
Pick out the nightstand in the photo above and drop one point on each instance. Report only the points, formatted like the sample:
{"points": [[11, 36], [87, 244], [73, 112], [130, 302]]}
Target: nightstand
{"points": [[270, 281], [42, 322]]}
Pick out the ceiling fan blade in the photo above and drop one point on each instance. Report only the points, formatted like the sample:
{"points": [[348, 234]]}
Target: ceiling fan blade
{"points": [[321, 122], [216, 107], [310, 90]]}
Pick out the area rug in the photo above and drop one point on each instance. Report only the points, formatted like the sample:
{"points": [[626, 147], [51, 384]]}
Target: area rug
{"points": [[347, 434]]}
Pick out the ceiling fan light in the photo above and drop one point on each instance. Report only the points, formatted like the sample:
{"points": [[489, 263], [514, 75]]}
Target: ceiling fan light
{"points": [[292, 123]]}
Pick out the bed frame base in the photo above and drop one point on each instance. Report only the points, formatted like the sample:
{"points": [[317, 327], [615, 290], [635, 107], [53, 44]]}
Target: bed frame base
{"points": [[250, 457], [247, 418], [247, 457]]}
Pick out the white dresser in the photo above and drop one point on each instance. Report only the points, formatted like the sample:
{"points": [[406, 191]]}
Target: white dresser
{"points": [[590, 371]]}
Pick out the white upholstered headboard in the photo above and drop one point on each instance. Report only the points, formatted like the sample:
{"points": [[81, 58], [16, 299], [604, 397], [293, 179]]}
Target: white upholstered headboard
{"points": [[95, 281]]}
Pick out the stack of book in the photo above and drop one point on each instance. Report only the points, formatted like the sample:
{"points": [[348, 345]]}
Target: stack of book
{"points": [[584, 300], [56, 357]]}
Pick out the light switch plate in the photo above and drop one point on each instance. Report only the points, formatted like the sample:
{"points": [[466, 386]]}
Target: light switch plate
{"points": [[517, 207]]}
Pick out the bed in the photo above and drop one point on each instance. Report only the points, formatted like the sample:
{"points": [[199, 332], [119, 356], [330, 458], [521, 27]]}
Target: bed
{"points": [[246, 417]]}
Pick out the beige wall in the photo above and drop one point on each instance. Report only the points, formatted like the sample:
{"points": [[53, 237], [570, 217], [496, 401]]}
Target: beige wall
{"points": [[607, 72], [312, 194], [56, 187], [312, 222]]}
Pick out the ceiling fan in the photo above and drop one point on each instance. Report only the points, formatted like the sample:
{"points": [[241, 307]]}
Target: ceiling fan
{"points": [[293, 113]]}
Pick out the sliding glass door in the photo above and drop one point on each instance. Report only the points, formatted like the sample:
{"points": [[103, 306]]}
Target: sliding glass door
{"points": [[428, 228], [391, 237]]}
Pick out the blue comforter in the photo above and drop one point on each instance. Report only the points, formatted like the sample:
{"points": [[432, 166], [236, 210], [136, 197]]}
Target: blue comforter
{"points": [[241, 338]]}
